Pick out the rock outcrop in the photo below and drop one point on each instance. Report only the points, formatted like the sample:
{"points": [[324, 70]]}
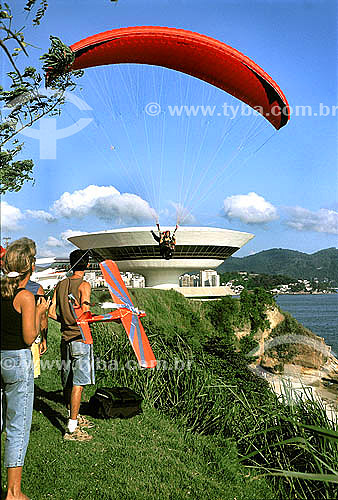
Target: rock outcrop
{"points": [[298, 354]]}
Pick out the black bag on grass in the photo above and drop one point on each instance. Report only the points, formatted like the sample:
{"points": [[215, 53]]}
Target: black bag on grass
{"points": [[115, 402]]}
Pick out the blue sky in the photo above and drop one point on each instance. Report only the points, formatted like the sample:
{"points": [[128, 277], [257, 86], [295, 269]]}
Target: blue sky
{"points": [[282, 187]]}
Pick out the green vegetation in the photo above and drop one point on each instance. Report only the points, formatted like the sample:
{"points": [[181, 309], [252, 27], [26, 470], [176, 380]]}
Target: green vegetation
{"points": [[250, 281], [148, 457], [228, 314], [205, 385], [271, 282], [278, 261], [210, 427], [22, 101]]}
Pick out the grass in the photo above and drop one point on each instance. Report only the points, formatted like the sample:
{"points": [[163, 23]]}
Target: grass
{"points": [[210, 428], [147, 457], [219, 396]]}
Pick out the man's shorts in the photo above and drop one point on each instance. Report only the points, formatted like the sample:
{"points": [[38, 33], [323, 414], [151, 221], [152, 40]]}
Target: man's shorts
{"points": [[77, 363]]}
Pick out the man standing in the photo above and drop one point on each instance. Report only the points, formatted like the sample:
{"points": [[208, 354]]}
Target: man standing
{"points": [[77, 357]]}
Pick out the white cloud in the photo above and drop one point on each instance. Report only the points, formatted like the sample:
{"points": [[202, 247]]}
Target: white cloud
{"points": [[322, 221], [249, 208], [104, 202], [10, 217], [53, 242], [41, 214], [58, 247], [52, 247]]}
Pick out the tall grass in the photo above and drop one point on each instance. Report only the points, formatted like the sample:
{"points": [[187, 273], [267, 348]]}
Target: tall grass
{"points": [[148, 457], [205, 386], [301, 448]]}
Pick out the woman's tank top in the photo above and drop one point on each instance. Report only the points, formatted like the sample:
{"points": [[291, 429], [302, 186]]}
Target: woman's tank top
{"points": [[11, 325]]}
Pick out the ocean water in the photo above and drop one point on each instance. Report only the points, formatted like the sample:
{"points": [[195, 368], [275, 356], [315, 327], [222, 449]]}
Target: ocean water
{"points": [[319, 313]]}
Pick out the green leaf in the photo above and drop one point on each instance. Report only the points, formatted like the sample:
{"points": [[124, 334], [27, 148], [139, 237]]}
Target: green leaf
{"points": [[296, 440], [326, 433], [329, 478]]}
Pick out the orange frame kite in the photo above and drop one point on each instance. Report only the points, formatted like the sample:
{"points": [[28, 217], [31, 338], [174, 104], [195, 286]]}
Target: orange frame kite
{"points": [[124, 311]]}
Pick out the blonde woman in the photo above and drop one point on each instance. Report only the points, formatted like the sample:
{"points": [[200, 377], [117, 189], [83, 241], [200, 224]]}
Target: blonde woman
{"points": [[39, 346], [20, 325]]}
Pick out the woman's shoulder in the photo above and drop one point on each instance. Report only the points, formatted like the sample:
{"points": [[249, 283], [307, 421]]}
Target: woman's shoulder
{"points": [[22, 294]]}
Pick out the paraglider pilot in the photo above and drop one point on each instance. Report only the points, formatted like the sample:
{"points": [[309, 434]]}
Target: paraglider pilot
{"points": [[166, 241]]}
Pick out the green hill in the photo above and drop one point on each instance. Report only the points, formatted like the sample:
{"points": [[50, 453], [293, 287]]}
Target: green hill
{"points": [[322, 265]]}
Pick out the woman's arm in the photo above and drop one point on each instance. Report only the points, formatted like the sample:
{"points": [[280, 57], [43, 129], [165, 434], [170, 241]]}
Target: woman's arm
{"points": [[43, 326]]}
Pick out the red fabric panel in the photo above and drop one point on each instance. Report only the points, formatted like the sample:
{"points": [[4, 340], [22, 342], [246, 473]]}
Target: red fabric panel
{"points": [[191, 53]]}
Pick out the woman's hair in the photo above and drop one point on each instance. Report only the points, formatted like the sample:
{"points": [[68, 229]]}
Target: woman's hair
{"points": [[17, 265], [30, 244]]}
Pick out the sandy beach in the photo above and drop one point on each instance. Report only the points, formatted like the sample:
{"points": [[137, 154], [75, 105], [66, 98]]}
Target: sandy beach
{"points": [[292, 389]]}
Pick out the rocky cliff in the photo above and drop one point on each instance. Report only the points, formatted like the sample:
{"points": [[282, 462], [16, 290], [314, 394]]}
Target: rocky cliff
{"points": [[292, 351]]}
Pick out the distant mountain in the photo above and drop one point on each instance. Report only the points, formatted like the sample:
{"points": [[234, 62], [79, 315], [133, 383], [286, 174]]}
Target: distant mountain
{"points": [[322, 265]]}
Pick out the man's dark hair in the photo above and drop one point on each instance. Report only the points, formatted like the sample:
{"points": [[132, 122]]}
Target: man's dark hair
{"points": [[78, 260]]}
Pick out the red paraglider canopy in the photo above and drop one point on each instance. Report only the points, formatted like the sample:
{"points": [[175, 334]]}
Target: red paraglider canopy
{"points": [[191, 53]]}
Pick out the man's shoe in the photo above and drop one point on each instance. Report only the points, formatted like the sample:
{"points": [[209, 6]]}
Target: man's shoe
{"points": [[77, 435], [84, 422]]}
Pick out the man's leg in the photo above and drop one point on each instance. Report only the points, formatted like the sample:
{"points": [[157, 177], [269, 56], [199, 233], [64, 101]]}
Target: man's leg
{"points": [[75, 431], [67, 394], [75, 401], [82, 374], [66, 373]]}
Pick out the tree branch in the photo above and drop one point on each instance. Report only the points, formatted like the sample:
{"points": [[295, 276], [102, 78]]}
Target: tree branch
{"points": [[15, 36], [33, 120], [11, 59]]}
